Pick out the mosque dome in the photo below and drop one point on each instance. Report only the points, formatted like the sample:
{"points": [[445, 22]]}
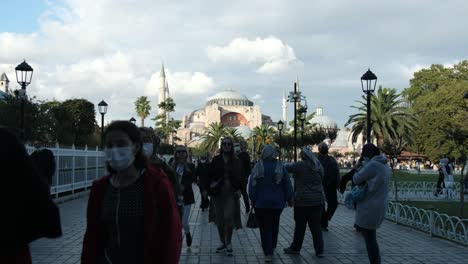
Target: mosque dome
{"points": [[229, 97], [322, 120], [245, 131]]}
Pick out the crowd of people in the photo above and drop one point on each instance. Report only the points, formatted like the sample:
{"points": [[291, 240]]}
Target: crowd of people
{"points": [[140, 211]]}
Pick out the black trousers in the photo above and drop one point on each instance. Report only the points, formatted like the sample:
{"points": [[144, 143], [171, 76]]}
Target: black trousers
{"points": [[373, 252], [205, 202], [332, 204], [310, 215], [268, 222]]}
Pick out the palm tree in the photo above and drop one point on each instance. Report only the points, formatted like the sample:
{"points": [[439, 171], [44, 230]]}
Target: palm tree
{"points": [[233, 133], [212, 136], [142, 108], [389, 117]]}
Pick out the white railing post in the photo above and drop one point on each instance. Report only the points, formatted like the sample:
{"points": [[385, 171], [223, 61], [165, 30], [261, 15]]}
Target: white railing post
{"points": [[73, 168], [397, 213], [57, 169], [431, 222], [86, 167]]}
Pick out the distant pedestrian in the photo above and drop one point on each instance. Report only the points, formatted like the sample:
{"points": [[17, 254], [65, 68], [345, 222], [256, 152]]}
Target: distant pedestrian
{"points": [[270, 190], [151, 143], [370, 211], [203, 180], [245, 159], [308, 201], [185, 175], [28, 213], [330, 183], [225, 188], [44, 161], [132, 215]]}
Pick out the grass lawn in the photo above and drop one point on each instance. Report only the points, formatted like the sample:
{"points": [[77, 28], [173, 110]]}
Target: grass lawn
{"points": [[450, 208]]}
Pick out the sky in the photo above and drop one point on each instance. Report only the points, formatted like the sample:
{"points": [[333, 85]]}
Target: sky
{"points": [[112, 50]]}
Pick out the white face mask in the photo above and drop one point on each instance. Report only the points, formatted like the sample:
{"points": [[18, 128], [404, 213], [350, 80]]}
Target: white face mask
{"points": [[148, 149], [120, 158]]}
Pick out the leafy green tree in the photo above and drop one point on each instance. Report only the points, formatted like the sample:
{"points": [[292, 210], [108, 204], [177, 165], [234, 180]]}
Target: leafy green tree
{"points": [[389, 117], [167, 127], [84, 119], [142, 108], [265, 135], [233, 133]]}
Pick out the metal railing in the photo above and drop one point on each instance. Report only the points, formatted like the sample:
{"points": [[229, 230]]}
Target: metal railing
{"points": [[423, 191], [75, 168], [432, 222]]}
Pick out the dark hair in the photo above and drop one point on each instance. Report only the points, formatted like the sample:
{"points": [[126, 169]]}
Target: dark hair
{"points": [[186, 152], [232, 152], [134, 134], [370, 150]]}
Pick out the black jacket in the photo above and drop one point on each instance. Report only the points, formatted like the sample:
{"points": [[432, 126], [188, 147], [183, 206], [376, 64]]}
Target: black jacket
{"points": [[245, 159], [234, 168], [203, 175], [188, 178]]}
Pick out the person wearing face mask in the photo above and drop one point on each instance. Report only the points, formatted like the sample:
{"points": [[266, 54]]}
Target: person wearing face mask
{"points": [[150, 144], [185, 175], [225, 176], [308, 201], [132, 215], [370, 211], [203, 180], [330, 183]]}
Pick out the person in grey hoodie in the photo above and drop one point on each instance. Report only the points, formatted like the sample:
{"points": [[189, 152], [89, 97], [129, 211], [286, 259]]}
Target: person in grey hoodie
{"points": [[370, 211], [308, 201]]}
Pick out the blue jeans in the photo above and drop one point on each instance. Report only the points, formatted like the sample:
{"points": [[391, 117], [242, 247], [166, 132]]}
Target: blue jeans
{"points": [[268, 222], [185, 218]]}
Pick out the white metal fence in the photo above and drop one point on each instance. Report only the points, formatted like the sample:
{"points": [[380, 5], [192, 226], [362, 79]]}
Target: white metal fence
{"points": [[435, 224], [75, 168], [423, 191]]}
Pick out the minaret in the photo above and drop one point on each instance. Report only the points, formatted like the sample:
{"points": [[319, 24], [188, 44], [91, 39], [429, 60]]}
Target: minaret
{"points": [[4, 83], [284, 110], [166, 96], [162, 91]]}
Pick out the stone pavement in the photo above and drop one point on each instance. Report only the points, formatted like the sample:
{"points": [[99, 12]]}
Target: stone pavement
{"points": [[398, 244]]}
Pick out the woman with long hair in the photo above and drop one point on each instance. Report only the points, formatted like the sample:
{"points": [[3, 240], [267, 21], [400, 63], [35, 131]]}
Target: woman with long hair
{"points": [[131, 215], [225, 189], [185, 175]]}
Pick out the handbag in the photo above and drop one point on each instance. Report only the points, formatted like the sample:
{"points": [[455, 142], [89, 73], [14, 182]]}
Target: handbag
{"points": [[357, 194], [252, 220], [215, 187]]}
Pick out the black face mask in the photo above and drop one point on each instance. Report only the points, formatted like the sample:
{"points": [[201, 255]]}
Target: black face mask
{"points": [[323, 152]]}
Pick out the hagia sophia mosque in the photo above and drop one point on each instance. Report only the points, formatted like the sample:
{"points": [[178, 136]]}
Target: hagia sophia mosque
{"points": [[236, 110]]}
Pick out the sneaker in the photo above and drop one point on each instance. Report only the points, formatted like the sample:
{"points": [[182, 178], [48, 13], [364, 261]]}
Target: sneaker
{"points": [[290, 250], [221, 249], [319, 255], [188, 239], [268, 259], [229, 250]]}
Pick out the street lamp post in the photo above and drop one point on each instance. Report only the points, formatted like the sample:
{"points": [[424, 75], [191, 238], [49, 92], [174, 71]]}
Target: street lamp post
{"points": [[370, 81], [102, 106], [280, 128], [133, 120], [24, 74], [295, 97]]}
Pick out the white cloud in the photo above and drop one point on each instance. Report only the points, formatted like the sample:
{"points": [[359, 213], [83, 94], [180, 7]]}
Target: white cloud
{"points": [[257, 97], [275, 55], [181, 83]]}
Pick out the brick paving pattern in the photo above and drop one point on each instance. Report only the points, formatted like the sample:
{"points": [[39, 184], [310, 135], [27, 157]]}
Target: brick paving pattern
{"points": [[398, 244]]}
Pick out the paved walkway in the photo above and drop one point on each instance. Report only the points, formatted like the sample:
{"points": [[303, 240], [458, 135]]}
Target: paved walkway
{"points": [[398, 244]]}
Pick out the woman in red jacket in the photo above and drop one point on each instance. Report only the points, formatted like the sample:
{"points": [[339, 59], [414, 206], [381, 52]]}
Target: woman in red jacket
{"points": [[132, 215]]}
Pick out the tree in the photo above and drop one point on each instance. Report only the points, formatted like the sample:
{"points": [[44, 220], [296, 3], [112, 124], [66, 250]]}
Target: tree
{"points": [[390, 115], [233, 133], [84, 119], [265, 135], [167, 127], [142, 108], [212, 137]]}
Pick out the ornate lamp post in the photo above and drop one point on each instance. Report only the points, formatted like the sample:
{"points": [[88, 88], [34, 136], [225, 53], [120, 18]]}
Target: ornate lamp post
{"points": [[368, 88], [295, 97], [280, 125], [133, 120], [302, 118], [24, 74], [102, 106]]}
